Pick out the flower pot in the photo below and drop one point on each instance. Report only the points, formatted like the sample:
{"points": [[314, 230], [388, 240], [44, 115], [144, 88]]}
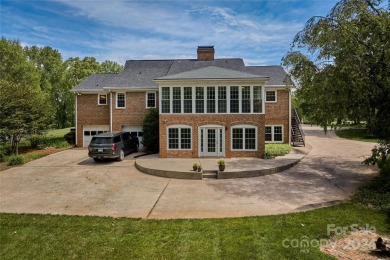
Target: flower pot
{"points": [[195, 168], [221, 167], [199, 168]]}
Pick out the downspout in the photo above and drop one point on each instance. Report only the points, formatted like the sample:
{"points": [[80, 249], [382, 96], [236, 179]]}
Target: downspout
{"points": [[289, 116], [77, 126], [110, 110]]}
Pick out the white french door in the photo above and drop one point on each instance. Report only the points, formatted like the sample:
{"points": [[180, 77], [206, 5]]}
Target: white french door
{"points": [[212, 142]]}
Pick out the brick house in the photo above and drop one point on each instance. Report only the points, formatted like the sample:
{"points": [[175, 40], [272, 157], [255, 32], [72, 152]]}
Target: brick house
{"points": [[207, 106]]}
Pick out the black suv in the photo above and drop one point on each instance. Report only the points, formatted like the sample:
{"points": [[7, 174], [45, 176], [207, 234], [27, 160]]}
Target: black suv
{"points": [[112, 145]]}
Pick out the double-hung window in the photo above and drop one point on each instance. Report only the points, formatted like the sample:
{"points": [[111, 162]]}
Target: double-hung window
{"points": [[222, 104], [270, 96], [165, 100], [257, 99], [244, 138], [210, 100], [246, 99], [179, 138], [199, 102], [176, 100], [234, 100], [102, 99], [150, 99], [188, 100], [274, 134], [120, 100]]}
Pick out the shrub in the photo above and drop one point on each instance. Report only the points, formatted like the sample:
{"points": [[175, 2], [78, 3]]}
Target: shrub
{"points": [[272, 150], [2, 155], [15, 160], [150, 127], [34, 140], [380, 155], [70, 137]]}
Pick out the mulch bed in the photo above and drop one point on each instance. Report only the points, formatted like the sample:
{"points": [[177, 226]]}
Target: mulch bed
{"points": [[356, 245]]}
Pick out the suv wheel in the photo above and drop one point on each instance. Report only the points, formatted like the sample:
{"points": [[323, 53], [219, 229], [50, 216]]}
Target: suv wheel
{"points": [[121, 155]]}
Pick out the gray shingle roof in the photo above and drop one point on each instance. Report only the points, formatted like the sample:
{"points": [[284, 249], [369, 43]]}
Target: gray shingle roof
{"points": [[276, 73], [96, 81], [142, 73], [212, 72]]}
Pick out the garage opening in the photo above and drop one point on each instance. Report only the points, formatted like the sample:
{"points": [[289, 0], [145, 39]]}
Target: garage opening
{"points": [[90, 131], [137, 131]]}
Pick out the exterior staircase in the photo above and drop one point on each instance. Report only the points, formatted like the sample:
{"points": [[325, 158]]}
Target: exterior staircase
{"points": [[210, 174], [297, 134]]}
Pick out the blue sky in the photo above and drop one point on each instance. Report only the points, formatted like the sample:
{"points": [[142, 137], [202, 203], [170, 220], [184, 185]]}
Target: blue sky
{"points": [[260, 31]]}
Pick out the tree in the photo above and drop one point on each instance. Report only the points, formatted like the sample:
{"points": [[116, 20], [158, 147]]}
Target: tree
{"points": [[24, 110], [110, 67], [342, 65], [150, 128]]}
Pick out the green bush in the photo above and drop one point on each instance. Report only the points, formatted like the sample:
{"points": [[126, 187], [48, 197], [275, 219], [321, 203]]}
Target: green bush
{"points": [[380, 155], [150, 127], [15, 160], [34, 140], [272, 150], [56, 142], [70, 137]]}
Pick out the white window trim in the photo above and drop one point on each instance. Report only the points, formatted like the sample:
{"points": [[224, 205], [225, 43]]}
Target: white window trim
{"points": [[243, 136], [99, 104], [216, 100], [116, 100], [272, 132], [179, 127], [146, 99], [276, 95]]}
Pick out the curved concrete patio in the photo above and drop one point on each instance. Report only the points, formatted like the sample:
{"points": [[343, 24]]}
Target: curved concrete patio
{"points": [[71, 183], [235, 167]]}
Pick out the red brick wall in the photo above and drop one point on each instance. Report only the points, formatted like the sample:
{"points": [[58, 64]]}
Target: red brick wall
{"points": [[277, 113], [90, 113], [133, 114], [206, 54], [199, 120]]}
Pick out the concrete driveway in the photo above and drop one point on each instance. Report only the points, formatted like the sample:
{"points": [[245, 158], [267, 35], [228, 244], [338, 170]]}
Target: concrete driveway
{"points": [[70, 183]]}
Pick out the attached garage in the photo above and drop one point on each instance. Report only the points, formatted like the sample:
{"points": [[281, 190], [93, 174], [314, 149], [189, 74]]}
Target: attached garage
{"points": [[90, 131], [137, 130]]}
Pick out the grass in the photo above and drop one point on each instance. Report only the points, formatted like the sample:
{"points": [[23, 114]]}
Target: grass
{"points": [[54, 139], [357, 135], [45, 236], [272, 150], [29, 236]]}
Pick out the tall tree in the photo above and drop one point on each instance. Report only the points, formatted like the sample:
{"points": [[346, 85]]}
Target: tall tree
{"points": [[341, 63], [110, 67], [24, 109]]}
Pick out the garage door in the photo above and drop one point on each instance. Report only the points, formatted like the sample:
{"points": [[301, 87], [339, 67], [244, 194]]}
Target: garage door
{"points": [[91, 130], [137, 130]]}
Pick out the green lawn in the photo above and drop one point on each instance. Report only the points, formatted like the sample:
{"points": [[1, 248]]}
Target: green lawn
{"points": [[268, 237], [356, 134], [53, 139]]}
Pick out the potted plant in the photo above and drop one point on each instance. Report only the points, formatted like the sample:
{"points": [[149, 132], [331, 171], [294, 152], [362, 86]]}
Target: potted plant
{"points": [[199, 167], [221, 165], [195, 166]]}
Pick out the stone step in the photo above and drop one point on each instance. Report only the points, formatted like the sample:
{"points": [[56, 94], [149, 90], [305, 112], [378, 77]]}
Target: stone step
{"points": [[210, 174]]}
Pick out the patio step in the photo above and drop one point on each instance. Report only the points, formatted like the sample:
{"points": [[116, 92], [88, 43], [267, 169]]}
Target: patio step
{"points": [[210, 174]]}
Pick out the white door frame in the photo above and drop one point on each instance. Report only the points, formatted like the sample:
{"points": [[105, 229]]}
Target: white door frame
{"points": [[219, 141]]}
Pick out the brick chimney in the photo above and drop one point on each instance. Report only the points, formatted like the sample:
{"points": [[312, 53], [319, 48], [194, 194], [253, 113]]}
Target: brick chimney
{"points": [[206, 52]]}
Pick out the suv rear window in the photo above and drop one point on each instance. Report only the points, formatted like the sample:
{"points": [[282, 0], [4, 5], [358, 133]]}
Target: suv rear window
{"points": [[101, 140], [117, 139]]}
